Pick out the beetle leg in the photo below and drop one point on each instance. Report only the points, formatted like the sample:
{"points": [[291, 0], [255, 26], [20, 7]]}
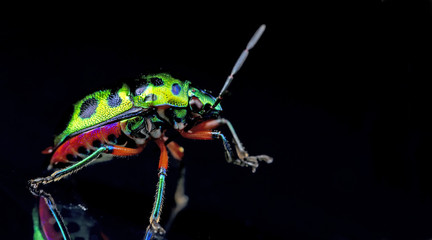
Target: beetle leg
{"points": [[176, 150], [154, 230], [203, 131], [57, 175], [125, 151], [229, 154], [34, 184], [209, 135], [244, 158]]}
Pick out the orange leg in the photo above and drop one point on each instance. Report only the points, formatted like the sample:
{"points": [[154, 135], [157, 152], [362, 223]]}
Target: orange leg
{"points": [[208, 125], [200, 135], [155, 229], [163, 159], [124, 151], [204, 131], [176, 150]]}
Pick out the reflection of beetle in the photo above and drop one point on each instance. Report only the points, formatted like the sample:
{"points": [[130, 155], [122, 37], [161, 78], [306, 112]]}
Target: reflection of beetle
{"points": [[139, 114]]}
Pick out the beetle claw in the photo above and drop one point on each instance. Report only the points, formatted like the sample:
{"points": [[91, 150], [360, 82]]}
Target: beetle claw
{"points": [[155, 231], [252, 161], [265, 158], [34, 186]]}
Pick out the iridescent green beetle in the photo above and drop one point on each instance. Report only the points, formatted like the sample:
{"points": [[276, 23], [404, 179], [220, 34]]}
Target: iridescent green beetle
{"points": [[142, 113]]}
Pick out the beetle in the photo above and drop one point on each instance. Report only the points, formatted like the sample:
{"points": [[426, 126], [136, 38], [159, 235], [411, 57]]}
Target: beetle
{"points": [[141, 113]]}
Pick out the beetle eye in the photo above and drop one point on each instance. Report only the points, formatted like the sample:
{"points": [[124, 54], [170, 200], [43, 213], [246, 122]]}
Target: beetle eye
{"points": [[207, 107], [195, 104]]}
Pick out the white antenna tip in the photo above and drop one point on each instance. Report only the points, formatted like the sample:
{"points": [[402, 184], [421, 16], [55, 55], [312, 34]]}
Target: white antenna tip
{"points": [[256, 37]]}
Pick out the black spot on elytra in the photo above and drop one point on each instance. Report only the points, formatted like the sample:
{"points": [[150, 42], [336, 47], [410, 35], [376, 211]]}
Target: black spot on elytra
{"points": [[175, 89], [88, 108], [114, 100], [150, 97], [156, 81]]}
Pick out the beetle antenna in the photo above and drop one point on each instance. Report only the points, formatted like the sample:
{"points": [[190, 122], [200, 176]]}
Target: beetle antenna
{"points": [[239, 63]]}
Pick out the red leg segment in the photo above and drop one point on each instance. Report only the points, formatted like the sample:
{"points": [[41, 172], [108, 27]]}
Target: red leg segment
{"points": [[202, 131], [207, 125], [163, 159], [176, 150], [200, 135], [124, 151]]}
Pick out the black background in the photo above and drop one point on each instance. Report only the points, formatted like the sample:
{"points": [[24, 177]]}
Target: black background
{"points": [[336, 93]]}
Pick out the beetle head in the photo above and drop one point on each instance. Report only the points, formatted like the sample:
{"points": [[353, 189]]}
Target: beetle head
{"points": [[200, 102]]}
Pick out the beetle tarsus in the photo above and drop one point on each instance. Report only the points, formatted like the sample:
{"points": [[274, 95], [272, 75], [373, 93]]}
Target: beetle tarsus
{"points": [[155, 231], [34, 186], [253, 161]]}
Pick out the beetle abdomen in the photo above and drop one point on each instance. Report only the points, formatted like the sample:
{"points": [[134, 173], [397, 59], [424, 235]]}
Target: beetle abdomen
{"points": [[84, 143]]}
